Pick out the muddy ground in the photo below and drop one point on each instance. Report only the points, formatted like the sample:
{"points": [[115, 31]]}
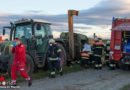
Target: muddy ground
{"points": [[83, 80]]}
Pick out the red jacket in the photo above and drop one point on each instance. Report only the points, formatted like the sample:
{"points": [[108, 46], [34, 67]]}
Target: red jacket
{"points": [[2, 79], [19, 52]]}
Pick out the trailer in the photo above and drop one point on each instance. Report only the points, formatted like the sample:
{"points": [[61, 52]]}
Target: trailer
{"points": [[120, 42]]}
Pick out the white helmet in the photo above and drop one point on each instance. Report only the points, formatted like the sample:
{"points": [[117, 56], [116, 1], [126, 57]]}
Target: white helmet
{"points": [[96, 39], [108, 42], [51, 41]]}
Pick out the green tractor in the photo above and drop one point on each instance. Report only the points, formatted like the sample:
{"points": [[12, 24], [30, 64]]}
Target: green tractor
{"points": [[35, 35]]}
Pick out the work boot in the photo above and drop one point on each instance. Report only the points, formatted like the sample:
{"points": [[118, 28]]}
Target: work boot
{"points": [[100, 68], [13, 84], [112, 68], [52, 76], [30, 82], [61, 73], [96, 68], [86, 66]]}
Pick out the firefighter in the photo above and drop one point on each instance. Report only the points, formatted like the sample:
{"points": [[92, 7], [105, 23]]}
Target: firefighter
{"points": [[97, 51], [54, 58], [112, 63], [19, 62], [85, 59], [85, 56], [107, 50]]}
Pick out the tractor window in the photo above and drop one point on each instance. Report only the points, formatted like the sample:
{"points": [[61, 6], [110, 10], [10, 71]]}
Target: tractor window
{"points": [[48, 29], [41, 32], [23, 31]]}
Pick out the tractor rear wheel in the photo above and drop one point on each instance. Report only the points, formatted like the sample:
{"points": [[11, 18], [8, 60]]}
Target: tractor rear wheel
{"points": [[10, 64], [29, 65], [63, 55]]}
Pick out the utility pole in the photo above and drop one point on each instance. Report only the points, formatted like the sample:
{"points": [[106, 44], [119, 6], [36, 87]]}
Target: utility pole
{"points": [[71, 34]]}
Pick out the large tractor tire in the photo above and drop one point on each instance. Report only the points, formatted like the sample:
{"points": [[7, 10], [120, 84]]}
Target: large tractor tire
{"points": [[10, 62], [63, 55], [29, 65]]}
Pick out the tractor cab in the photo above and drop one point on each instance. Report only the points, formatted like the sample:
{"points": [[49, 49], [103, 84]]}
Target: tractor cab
{"points": [[33, 33]]}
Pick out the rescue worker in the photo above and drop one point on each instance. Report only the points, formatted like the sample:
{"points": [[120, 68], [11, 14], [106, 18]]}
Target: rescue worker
{"points": [[112, 65], [97, 51], [85, 56], [87, 47], [19, 62], [3, 72], [2, 79], [85, 59], [54, 58], [107, 50]]}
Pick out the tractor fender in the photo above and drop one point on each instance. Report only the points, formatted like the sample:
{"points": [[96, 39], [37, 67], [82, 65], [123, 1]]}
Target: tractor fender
{"points": [[58, 40]]}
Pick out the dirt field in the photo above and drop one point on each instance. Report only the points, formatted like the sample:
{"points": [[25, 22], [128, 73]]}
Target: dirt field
{"points": [[83, 80]]}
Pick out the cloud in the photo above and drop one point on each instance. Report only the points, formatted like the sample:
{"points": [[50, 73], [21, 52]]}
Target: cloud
{"points": [[33, 11], [104, 11], [96, 19]]}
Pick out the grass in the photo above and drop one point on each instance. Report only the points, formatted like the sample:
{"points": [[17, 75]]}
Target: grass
{"points": [[42, 74], [126, 87]]}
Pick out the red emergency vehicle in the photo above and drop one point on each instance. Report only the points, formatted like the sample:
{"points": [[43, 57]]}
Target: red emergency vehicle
{"points": [[120, 41], [0, 39]]}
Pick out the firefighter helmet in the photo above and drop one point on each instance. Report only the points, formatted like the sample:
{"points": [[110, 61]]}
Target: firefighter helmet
{"points": [[108, 42], [96, 39], [51, 41]]}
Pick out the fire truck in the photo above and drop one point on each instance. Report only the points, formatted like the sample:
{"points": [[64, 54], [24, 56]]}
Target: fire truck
{"points": [[0, 39], [120, 42]]}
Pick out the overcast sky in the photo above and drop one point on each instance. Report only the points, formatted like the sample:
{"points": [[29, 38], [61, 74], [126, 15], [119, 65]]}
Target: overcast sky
{"points": [[95, 16], [45, 6]]}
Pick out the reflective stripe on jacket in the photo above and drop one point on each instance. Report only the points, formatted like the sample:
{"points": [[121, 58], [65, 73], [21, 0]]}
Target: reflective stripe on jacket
{"points": [[54, 52], [85, 55], [97, 48]]}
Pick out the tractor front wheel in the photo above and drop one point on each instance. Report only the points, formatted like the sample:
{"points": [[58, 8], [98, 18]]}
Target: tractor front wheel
{"points": [[29, 65]]}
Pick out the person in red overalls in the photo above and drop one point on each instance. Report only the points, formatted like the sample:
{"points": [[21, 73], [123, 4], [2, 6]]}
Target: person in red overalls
{"points": [[2, 79], [19, 62]]}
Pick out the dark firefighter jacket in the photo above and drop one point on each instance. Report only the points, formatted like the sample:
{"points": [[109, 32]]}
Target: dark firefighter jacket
{"points": [[107, 49], [97, 49], [54, 52]]}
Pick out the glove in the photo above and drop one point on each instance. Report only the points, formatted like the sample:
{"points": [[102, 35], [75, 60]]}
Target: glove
{"points": [[48, 59], [15, 44], [59, 59]]}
